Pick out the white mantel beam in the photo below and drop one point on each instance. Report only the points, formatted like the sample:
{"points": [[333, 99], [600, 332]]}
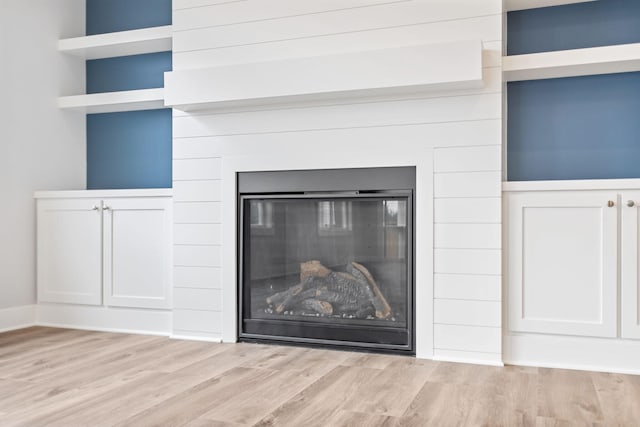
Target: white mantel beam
{"points": [[436, 67]]}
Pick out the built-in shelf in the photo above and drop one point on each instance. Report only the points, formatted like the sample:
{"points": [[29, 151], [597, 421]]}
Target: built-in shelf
{"points": [[108, 102], [123, 43], [436, 67], [572, 184], [569, 63], [510, 5]]}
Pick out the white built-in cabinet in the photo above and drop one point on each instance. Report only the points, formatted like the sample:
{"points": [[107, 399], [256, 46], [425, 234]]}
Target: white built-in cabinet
{"points": [[109, 250], [573, 262]]}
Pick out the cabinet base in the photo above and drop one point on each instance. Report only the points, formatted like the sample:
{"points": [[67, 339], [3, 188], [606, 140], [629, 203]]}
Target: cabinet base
{"points": [[569, 352], [108, 319]]}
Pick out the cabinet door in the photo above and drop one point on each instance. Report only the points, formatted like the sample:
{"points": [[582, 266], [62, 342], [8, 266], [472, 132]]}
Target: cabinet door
{"points": [[563, 262], [137, 252], [69, 253], [630, 260]]}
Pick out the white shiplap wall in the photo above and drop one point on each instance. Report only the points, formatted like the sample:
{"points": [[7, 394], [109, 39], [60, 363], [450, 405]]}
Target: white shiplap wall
{"points": [[464, 128]]}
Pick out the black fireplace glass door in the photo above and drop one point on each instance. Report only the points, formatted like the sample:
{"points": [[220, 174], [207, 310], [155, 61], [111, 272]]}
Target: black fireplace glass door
{"points": [[327, 260]]}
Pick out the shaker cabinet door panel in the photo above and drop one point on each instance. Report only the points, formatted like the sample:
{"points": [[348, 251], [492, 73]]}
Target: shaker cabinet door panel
{"points": [[630, 260], [563, 263], [69, 266], [137, 256]]}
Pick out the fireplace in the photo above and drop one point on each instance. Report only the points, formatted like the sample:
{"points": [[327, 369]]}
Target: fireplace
{"points": [[326, 257]]}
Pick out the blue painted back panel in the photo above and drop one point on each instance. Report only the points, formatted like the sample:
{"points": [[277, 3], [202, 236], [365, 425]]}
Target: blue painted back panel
{"points": [[129, 150], [127, 72], [106, 16], [574, 128], [574, 26]]}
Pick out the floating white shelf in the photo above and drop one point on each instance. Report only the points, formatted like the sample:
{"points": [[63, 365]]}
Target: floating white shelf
{"points": [[510, 5], [569, 63], [123, 43], [109, 102], [436, 67]]}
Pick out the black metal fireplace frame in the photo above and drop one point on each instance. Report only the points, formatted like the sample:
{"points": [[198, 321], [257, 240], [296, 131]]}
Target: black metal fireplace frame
{"points": [[362, 183]]}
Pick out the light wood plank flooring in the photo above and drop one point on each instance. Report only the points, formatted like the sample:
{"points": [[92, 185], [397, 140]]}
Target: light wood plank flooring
{"points": [[63, 377]]}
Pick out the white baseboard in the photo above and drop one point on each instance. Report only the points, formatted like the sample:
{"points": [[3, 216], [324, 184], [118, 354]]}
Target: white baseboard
{"points": [[13, 318], [196, 336], [107, 319], [476, 358], [567, 352]]}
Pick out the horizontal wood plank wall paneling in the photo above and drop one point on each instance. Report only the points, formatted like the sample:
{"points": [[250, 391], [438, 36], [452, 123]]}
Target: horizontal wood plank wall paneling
{"points": [[485, 28], [465, 127]]}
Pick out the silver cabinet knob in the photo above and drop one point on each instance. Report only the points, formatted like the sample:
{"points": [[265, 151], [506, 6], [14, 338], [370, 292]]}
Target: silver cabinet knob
{"points": [[611, 203], [95, 208], [106, 208], [631, 203]]}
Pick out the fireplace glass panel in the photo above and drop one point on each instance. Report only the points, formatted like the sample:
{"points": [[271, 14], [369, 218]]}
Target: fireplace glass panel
{"points": [[327, 260]]}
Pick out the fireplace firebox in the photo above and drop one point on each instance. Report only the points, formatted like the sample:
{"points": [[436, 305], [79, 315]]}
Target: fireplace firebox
{"points": [[326, 257]]}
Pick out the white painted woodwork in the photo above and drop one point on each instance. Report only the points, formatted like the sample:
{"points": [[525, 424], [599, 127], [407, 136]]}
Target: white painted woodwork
{"points": [[575, 62], [440, 112], [467, 236], [467, 312], [467, 287], [463, 356], [196, 191], [108, 102], [418, 30], [121, 43], [630, 265], [113, 249], [197, 255], [467, 184], [468, 338], [194, 169], [474, 210], [510, 5], [401, 129], [196, 212], [467, 159], [197, 277], [197, 299], [373, 18], [588, 184], [137, 252], [101, 318], [69, 251], [467, 261], [567, 352], [230, 13], [562, 263], [450, 66], [197, 234], [102, 194], [198, 320]]}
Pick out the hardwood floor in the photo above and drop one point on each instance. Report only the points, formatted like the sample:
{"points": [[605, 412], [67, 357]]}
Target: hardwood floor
{"points": [[62, 377]]}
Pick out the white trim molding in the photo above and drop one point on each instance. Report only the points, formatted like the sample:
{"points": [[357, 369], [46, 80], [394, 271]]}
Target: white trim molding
{"points": [[13, 318]]}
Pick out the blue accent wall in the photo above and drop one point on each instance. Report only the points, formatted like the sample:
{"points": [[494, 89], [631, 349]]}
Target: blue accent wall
{"points": [[574, 26], [129, 150], [127, 72], [106, 16], [574, 128]]}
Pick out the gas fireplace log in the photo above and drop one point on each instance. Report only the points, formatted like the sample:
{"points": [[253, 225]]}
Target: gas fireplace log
{"points": [[312, 269], [383, 310], [353, 293], [321, 307]]}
